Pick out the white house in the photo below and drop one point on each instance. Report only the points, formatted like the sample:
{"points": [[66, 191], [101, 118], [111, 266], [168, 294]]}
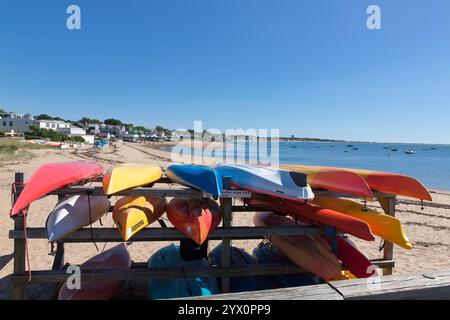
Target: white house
{"points": [[16, 122]]}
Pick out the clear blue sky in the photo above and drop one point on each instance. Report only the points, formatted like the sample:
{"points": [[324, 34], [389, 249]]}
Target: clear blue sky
{"points": [[310, 68]]}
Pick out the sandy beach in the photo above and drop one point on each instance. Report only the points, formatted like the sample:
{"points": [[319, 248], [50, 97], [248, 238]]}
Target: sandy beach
{"points": [[427, 229]]}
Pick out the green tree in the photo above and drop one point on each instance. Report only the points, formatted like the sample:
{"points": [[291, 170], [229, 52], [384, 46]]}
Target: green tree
{"points": [[113, 122], [43, 116], [159, 129]]}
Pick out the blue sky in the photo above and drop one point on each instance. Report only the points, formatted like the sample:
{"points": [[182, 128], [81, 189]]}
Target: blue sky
{"points": [[310, 68]]}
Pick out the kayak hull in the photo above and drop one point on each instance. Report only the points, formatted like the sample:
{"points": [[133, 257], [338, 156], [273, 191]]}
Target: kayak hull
{"points": [[382, 225], [169, 257], [114, 258], [132, 214], [198, 177], [303, 251], [333, 179], [52, 176], [196, 218], [238, 257], [71, 214], [120, 178], [268, 181], [316, 215]]}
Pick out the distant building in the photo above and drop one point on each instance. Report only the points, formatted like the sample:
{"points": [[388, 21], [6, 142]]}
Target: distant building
{"points": [[16, 122], [113, 130]]}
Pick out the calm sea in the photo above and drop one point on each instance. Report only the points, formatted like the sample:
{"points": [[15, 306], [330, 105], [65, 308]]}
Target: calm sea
{"points": [[430, 164]]}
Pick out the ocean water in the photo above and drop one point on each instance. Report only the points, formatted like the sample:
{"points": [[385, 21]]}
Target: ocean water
{"points": [[431, 167]]}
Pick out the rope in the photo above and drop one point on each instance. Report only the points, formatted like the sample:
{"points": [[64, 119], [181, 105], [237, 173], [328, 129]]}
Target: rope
{"points": [[90, 222]]}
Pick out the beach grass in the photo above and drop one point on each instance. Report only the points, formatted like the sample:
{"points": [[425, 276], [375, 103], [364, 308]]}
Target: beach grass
{"points": [[13, 149]]}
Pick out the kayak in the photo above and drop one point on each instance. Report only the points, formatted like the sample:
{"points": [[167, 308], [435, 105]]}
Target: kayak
{"points": [[238, 257], [132, 214], [393, 183], [196, 218], [52, 176], [265, 253], [316, 215], [169, 257], [114, 258], [73, 213], [303, 250], [198, 177], [129, 176], [263, 180], [351, 258], [333, 179], [382, 225]]}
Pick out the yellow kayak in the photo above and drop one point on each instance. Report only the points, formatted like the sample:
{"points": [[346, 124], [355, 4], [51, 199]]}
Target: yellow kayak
{"points": [[383, 225], [125, 177], [132, 214]]}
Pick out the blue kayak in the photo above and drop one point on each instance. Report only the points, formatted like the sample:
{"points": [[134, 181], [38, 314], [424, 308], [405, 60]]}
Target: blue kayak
{"points": [[239, 258], [198, 177], [264, 253], [169, 257]]}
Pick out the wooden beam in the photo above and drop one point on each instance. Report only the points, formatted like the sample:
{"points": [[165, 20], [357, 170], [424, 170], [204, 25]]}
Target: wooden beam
{"points": [[142, 272], [433, 285], [388, 250], [226, 205]]}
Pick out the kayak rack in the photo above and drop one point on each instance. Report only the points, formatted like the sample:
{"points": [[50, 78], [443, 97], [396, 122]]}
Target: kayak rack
{"points": [[139, 270]]}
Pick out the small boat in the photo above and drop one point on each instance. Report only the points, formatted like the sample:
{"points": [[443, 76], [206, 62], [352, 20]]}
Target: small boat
{"points": [[294, 147], [433, 148], [129, 176], [198, 177], [71, 214], [350, 146], [386, 148], [114, 258], [356, 148], [132, 214], [410, 151], [269, 181], [394, 149], [52, 176], [169, 257], [196, 218], [239, 257]]}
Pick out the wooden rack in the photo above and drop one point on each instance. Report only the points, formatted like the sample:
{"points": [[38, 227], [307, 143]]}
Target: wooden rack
{"points": [[139, 270]]}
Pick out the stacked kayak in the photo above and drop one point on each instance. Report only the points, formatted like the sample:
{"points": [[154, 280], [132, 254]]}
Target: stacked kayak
{"points": [[114, 258], [73, 213], [240, 258], [196, 218], [125, 177], [169, 257], [262, 180], [132, 214], [199, 177]]}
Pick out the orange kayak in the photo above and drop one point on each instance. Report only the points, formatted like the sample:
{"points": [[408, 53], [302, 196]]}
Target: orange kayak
{"points": [[114, 258], [314, 214], [394, 184], [333, 179], [196, 218], [390, 183], [311, 255]]}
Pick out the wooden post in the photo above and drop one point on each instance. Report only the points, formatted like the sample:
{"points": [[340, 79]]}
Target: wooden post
{"points": [[226, 204], [19, 244], [388, 204]]}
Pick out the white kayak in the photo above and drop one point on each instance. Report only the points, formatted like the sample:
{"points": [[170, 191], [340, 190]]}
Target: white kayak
{"points": [[264, 180], [71, 214]]}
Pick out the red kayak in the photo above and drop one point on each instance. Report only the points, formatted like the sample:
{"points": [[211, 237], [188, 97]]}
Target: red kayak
{"points": [[196, 218], [52, 176], [314, 214], [114, 258], [352, 258]]}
